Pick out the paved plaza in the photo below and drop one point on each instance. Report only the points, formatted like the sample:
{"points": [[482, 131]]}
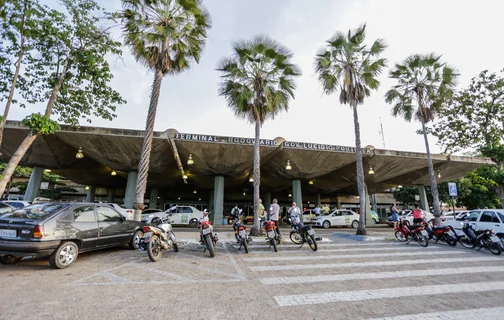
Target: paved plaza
{"points": [[344, 279]]}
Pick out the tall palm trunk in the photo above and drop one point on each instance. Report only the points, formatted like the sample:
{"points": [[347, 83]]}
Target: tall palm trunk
{"points": [[16, 73], [433, 183], [257, 173], [143, 166], [27, 142], [361, 230]]}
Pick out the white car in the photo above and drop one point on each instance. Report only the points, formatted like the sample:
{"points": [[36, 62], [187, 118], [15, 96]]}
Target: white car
{"points": [[179, 215], [409, 216], [337, 218], [18, 204]]}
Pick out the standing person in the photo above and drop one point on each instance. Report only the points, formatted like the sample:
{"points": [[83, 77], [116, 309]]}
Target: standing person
{"points": [[294, 213], [274, 214], [325, 209], [417, 215], [395, 214], [317, 210], [261, 209]]}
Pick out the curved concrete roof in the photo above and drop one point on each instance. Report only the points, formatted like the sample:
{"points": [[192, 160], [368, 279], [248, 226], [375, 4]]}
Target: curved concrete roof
{"points": [[331, 167]]}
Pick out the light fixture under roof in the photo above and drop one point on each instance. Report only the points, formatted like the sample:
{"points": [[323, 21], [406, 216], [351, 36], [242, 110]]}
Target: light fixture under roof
{"points": [[184, 177], [79, 154], [290, 195], [251, 179], [190, 161], [371, 171], [310, 182], [87, 188], [195, 191], [113, 173], [288, 166]]}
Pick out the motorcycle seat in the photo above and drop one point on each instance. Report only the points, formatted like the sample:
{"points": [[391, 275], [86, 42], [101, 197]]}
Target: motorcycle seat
{"points": [[439, 228]]}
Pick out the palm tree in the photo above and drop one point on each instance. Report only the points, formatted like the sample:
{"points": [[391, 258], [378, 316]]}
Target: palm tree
{"points": [[424, 79], [166, 36], [258, 82], [348, 65]]}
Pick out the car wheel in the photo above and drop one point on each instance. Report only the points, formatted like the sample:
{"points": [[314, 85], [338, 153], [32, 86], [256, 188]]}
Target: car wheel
{"points": [[194, 223], [9, 259], [64, 256], [326, 224], [355, 224], [135, 240]]}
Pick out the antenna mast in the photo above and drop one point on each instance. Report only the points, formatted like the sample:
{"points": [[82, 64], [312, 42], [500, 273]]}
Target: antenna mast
{"points": [[382, 134]]}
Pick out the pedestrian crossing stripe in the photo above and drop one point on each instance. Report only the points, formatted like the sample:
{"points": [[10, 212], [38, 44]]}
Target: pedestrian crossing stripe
{"points": [[480, 313], [380, 275], [373, 263], [352, 256], [295, 249], [388, 293]]}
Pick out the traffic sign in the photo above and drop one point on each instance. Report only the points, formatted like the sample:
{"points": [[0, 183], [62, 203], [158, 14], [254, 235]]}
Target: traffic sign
{"points": [[452, 189]]}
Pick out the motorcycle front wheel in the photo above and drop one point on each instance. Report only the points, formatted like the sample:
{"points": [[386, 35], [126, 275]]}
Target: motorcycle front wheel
{"points": [[400, 236], [465, 242], [209, 245], [154, 250], [493, 247], [313, 244], [273, 243], [245, 245], [422, 240], [295, 237]]}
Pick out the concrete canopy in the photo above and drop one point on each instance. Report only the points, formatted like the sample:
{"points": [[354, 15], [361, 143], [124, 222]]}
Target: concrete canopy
{"points": [[330, 168]]}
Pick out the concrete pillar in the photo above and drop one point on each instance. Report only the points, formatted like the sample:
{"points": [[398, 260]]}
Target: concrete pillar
{"points": [[211, 201], [110, 195], [424, 203], [91, 194], [266, 200], [317, 203], [129, 194], [218, 202], [338, 204], [297, 195], [161, 203], [368, 219], [153, 199], [34, 184]]}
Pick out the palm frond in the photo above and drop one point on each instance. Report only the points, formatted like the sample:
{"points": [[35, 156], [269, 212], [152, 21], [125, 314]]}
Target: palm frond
{"points": [[258, 79], [166, 35]]}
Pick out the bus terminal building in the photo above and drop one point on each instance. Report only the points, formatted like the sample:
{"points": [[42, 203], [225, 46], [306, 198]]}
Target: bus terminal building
{"points": [[216, 172]]}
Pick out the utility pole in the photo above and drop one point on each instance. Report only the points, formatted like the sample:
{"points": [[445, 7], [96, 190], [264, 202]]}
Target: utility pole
{"points": [[382, 134]]}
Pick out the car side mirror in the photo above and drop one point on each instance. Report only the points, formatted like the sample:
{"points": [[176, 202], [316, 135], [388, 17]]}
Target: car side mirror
{"points": [[123, 218]]}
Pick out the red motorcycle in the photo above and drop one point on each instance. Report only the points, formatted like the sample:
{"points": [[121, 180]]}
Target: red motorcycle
{"points": [[407, 233], [271, 233], [207, 237], [446, 234]]}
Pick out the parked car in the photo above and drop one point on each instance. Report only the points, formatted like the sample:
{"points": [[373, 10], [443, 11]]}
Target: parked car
{"points": [[5, 207], [128, 213], [62, 230], [408, 215], [374, 217], [16, 203], [340, 217], [457, 215], [148, 211], [481, 219], [179, 215]]}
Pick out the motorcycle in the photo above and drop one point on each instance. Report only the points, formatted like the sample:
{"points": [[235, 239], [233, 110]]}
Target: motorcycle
{"points": [[157, 237], [272, 237], [407, 233], [207, 237], [301, 234], [241, 235], [481, 238], [444, 233]]}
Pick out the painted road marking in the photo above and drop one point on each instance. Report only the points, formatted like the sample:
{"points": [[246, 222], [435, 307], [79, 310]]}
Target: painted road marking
{"points": [[254, 244], [483, 313], [388, 293], [352, 256], [373, 263], [302, 250], [380, 275]]}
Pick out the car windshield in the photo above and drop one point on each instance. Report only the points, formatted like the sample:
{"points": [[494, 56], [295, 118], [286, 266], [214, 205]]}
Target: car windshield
{"points": [[16, 205], [35, 212], [501, 216]]}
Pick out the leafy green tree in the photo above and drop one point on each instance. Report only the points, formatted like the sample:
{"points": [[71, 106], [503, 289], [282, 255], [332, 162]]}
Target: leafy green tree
{"points": [[72, 73], [427, 82], [349, 66], [166, 36], [477, 189], [406, 195], [258, 82], [475, 120], [20, 28]]}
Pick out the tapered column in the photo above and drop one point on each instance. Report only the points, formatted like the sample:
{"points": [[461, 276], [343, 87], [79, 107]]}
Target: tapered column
{"points": [[424, 203], [266, 200], [297, 195], [34, 184], [153, 199], [218, 211], [110, 195], [91, 194], [129, 194], [369, 219], [318, 200]]}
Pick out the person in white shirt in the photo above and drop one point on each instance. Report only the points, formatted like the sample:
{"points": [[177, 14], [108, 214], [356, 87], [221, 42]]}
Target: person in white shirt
{"points": [[294, 213]]}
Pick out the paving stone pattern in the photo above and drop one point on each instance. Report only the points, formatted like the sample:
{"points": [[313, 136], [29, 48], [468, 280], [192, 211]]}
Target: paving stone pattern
{"points": [[347, 280]]}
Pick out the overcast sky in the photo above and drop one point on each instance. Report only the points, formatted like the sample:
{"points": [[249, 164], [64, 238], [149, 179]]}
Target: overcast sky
{"points": [[468, 33]]}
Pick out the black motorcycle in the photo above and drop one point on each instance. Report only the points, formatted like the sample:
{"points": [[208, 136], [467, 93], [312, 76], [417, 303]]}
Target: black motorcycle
{"points": [[479, 238], [301, 234]]}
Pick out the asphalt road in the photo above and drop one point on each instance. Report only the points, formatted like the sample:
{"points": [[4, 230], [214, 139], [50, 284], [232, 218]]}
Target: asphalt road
{"points": [[344, 280]]}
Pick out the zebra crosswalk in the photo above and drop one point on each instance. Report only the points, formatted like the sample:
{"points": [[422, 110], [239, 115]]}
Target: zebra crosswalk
{"points": [[339, 277]]}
